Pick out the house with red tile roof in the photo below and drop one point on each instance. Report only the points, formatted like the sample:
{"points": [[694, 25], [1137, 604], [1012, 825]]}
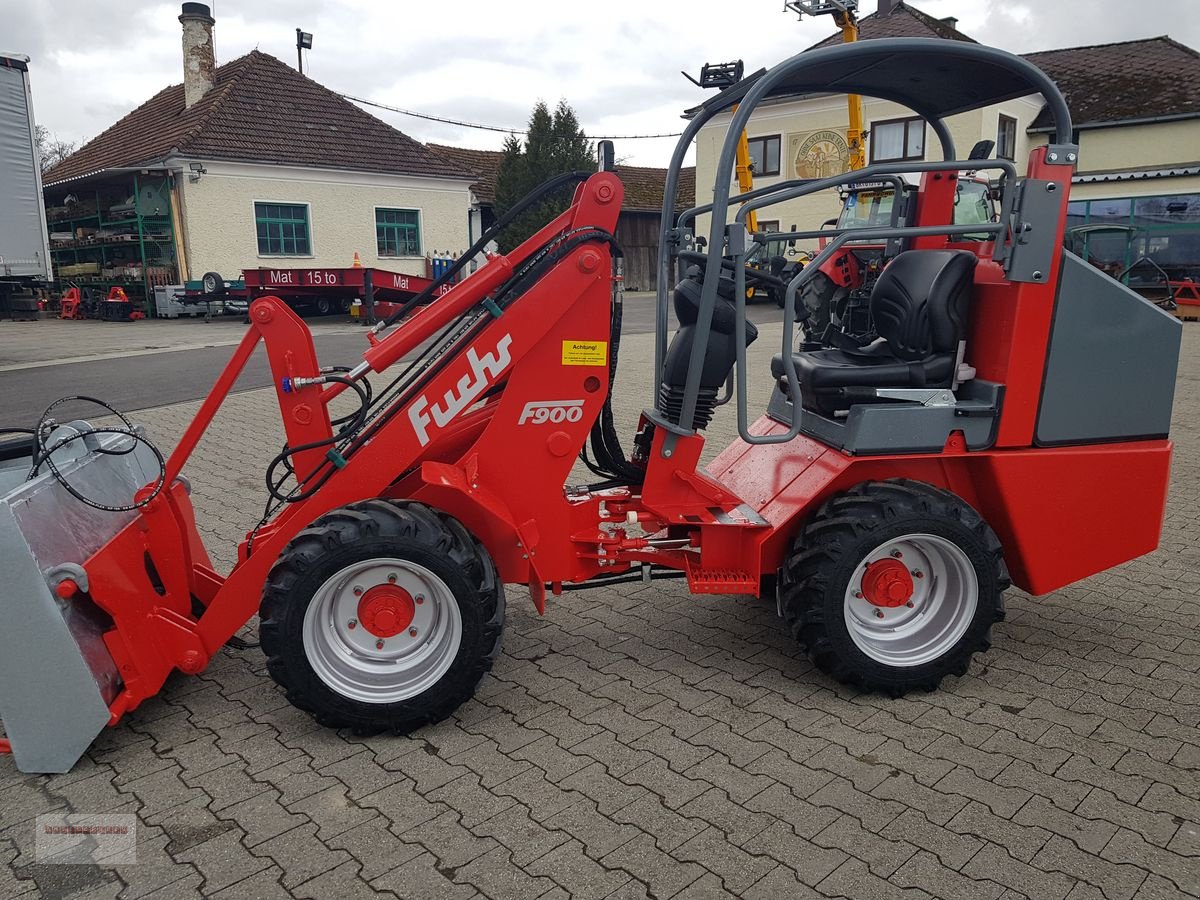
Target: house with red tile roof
{"points": [[244, 165]]}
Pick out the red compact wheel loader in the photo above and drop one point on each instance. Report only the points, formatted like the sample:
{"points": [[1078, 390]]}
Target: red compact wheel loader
{"points": [[889, 495]]}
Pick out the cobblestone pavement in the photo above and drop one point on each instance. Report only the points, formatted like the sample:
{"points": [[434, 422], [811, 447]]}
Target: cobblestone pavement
{"points": [[645, 743]]}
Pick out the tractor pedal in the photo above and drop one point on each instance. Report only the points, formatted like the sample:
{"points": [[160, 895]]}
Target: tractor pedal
{"points": [[720, 581]]}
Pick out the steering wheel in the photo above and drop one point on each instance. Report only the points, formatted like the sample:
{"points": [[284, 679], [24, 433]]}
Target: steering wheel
{"points": [[753, 275]]}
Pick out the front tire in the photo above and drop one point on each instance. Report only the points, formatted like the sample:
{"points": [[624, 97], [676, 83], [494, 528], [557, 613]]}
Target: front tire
{"points": [[382, 616], [893, 585]]}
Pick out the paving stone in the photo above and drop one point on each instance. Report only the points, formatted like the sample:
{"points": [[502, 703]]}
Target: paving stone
{"points": [[430, 771], [1089, 835], [1022, 842], [494, 875], [854, 880], [473, 802], [668, 828], [262, 816], [402, 805], [803, 817], [228, 785], [679, 755], [951, 848], [421, 879], [525, 838], [577, 873], [803, 780], [993, 863], [445, 837], [222, 861], [1117, 882], [779, 883], [375, 848], [664, 874], [1128, 787], [720, 772], [924, 870], [342, 882], [811, 861], [873, 813], [1156, 827], [1063, 794], [542, 797], [882, 855], [1155, 887], [1127, 847], [617, 757], [1187, 840], [1003, 801]]}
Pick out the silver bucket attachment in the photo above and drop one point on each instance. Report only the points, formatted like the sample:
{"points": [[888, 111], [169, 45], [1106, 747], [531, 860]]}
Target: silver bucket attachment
{"points": [[57, 678]]}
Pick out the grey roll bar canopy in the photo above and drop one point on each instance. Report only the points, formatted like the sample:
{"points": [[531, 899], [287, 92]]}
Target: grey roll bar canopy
{"points": [[933, 78]]}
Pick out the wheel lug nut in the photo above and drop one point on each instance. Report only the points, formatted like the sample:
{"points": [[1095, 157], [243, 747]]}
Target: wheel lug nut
{"points": [[358, 592], [897, 554], [879, 613], [909, 604], [353, 623], [917, 573], [858, 595], [379, 645], [391, 579], [419, 599], [412, 632]]}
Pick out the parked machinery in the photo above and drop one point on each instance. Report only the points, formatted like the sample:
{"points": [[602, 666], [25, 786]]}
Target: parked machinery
{"points": [[883, 503]]}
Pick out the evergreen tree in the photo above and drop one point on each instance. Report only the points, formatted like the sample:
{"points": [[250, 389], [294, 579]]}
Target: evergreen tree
{"points": [[554, 145]]}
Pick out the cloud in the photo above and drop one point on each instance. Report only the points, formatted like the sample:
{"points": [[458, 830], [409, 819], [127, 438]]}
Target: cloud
{"points": [[617, 64]]}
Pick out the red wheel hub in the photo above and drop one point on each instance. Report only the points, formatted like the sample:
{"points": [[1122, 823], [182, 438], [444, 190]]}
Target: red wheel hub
{"points": [[887, 582], [386, 610]]}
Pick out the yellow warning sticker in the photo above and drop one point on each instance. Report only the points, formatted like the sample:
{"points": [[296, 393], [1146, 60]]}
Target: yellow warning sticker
{"points": [[585, 353]]}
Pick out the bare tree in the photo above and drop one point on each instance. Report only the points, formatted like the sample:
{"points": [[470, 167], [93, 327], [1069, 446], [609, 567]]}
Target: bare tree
{"points": [[52, 151]]}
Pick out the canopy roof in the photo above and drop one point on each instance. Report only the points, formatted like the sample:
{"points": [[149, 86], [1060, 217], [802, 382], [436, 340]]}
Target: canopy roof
{"points": [[933, 78]]}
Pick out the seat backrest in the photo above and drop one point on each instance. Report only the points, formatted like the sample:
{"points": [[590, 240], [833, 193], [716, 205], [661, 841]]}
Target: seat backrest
{"points": [[919, 303]]}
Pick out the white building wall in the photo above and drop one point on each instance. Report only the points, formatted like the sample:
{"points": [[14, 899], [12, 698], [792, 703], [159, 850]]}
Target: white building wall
{"points": [[219, 227]]}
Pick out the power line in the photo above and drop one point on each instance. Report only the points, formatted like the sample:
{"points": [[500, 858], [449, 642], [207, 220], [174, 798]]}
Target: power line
{"points": [[445, 121]]}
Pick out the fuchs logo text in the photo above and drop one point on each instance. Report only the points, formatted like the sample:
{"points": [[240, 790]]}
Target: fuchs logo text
{"points": [[484, 370]]}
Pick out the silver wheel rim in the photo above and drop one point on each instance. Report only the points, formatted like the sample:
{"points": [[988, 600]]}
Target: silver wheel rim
{"points": [[942, 605], [361, 664]]}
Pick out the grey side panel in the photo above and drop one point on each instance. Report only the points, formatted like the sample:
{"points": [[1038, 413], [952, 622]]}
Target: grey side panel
{"points": [[1111, 366], [23, 242]]}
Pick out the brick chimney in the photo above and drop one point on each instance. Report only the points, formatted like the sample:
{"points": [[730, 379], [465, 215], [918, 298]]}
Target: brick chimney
{"points": [[951, 21], [199, 62], [887, 7]]}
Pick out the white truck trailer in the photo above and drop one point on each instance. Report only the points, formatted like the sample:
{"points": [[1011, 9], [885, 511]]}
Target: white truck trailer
{"points": [[24, 242]]}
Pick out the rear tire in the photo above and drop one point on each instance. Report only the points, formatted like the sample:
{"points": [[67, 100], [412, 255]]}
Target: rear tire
{"points": [[440, 632], [943, 562]]}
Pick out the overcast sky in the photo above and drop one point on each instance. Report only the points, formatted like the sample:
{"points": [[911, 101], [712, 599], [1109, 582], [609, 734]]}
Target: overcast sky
{"points": [[617, 61]]}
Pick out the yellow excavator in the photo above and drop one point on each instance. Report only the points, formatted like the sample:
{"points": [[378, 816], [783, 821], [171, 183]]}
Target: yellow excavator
{"points": [[845, 16]]}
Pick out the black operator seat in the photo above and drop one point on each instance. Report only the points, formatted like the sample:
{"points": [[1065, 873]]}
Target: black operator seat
{"points": [[919, 306]]}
